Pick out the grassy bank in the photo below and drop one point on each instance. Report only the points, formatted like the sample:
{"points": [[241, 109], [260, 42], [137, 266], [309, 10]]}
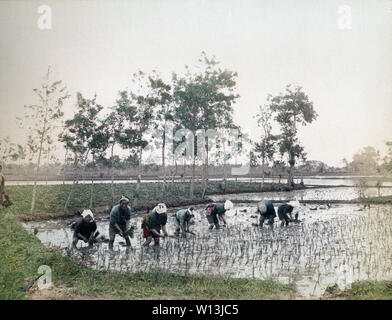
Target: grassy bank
{"points": [[21, 254], [52, 198], [368, 290], [378, 200]]}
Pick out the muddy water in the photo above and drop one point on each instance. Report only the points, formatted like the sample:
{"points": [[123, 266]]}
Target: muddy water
{"points": [[338, 245], [341, 193]]}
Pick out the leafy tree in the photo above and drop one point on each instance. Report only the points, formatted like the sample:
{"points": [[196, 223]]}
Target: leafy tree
{"points": [[42, 120], [345, 163], [366, 161], [204, 101], [291, 109], [265, 149], [112, 126], [164, 115], [387, 161], [314, 166], [8, 151], [187, 96], [84, 134], [98, 144], [279, 166], [135, 109], [224, 151]]}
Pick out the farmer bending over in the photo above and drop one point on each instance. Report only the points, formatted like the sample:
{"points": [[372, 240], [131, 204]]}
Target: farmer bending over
{"points": [[119, 221], [217, 210], [286, 210], [152, 224], [182, 219], [85, 229], [267, 212]]}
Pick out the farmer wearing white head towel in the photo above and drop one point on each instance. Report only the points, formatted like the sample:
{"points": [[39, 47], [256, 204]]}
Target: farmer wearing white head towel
{"points": [[267, 212], [182, 219], [286, 210], [85, 229], [153, 223], [119, 221]]}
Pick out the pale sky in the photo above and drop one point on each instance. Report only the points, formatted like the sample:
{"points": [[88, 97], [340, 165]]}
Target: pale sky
{"points": [[95, 46]]}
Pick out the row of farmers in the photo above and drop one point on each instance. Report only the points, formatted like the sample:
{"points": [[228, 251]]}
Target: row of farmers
{"points": [[154, 223]]}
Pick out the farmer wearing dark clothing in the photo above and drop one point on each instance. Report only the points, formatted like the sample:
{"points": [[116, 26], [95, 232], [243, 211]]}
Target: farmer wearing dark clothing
{"points": [[119, 222], [85, 229], [153, 223], [211, 216], [267, 212], [284, 213], [217, 210], [286, 210], [182, 219]]}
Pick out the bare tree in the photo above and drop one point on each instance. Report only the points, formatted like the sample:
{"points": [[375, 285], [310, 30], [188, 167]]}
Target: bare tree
{"points": [[42, 120]]}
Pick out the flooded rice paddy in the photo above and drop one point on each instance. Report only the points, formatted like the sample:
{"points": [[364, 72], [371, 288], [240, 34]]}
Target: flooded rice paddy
{"points": [[330, 245], [341, 193]]}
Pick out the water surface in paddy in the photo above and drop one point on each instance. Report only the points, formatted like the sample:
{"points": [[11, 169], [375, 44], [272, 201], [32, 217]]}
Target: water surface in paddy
{"points": [[341, 193], [339, 245]]}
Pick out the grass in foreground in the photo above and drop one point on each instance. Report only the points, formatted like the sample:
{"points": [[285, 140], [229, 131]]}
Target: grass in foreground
{"points": [[369, 290], [21, 254], [378, 200]]}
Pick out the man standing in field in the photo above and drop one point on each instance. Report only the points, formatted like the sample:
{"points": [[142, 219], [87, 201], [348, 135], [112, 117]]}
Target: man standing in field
{"points": [[182, 219], [153, 223], [286, 210], [120, 216], [85, 229], [267, 212]]}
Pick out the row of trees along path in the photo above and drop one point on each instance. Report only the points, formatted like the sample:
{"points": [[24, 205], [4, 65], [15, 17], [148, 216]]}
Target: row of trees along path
{"points": [[198, 100]]}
